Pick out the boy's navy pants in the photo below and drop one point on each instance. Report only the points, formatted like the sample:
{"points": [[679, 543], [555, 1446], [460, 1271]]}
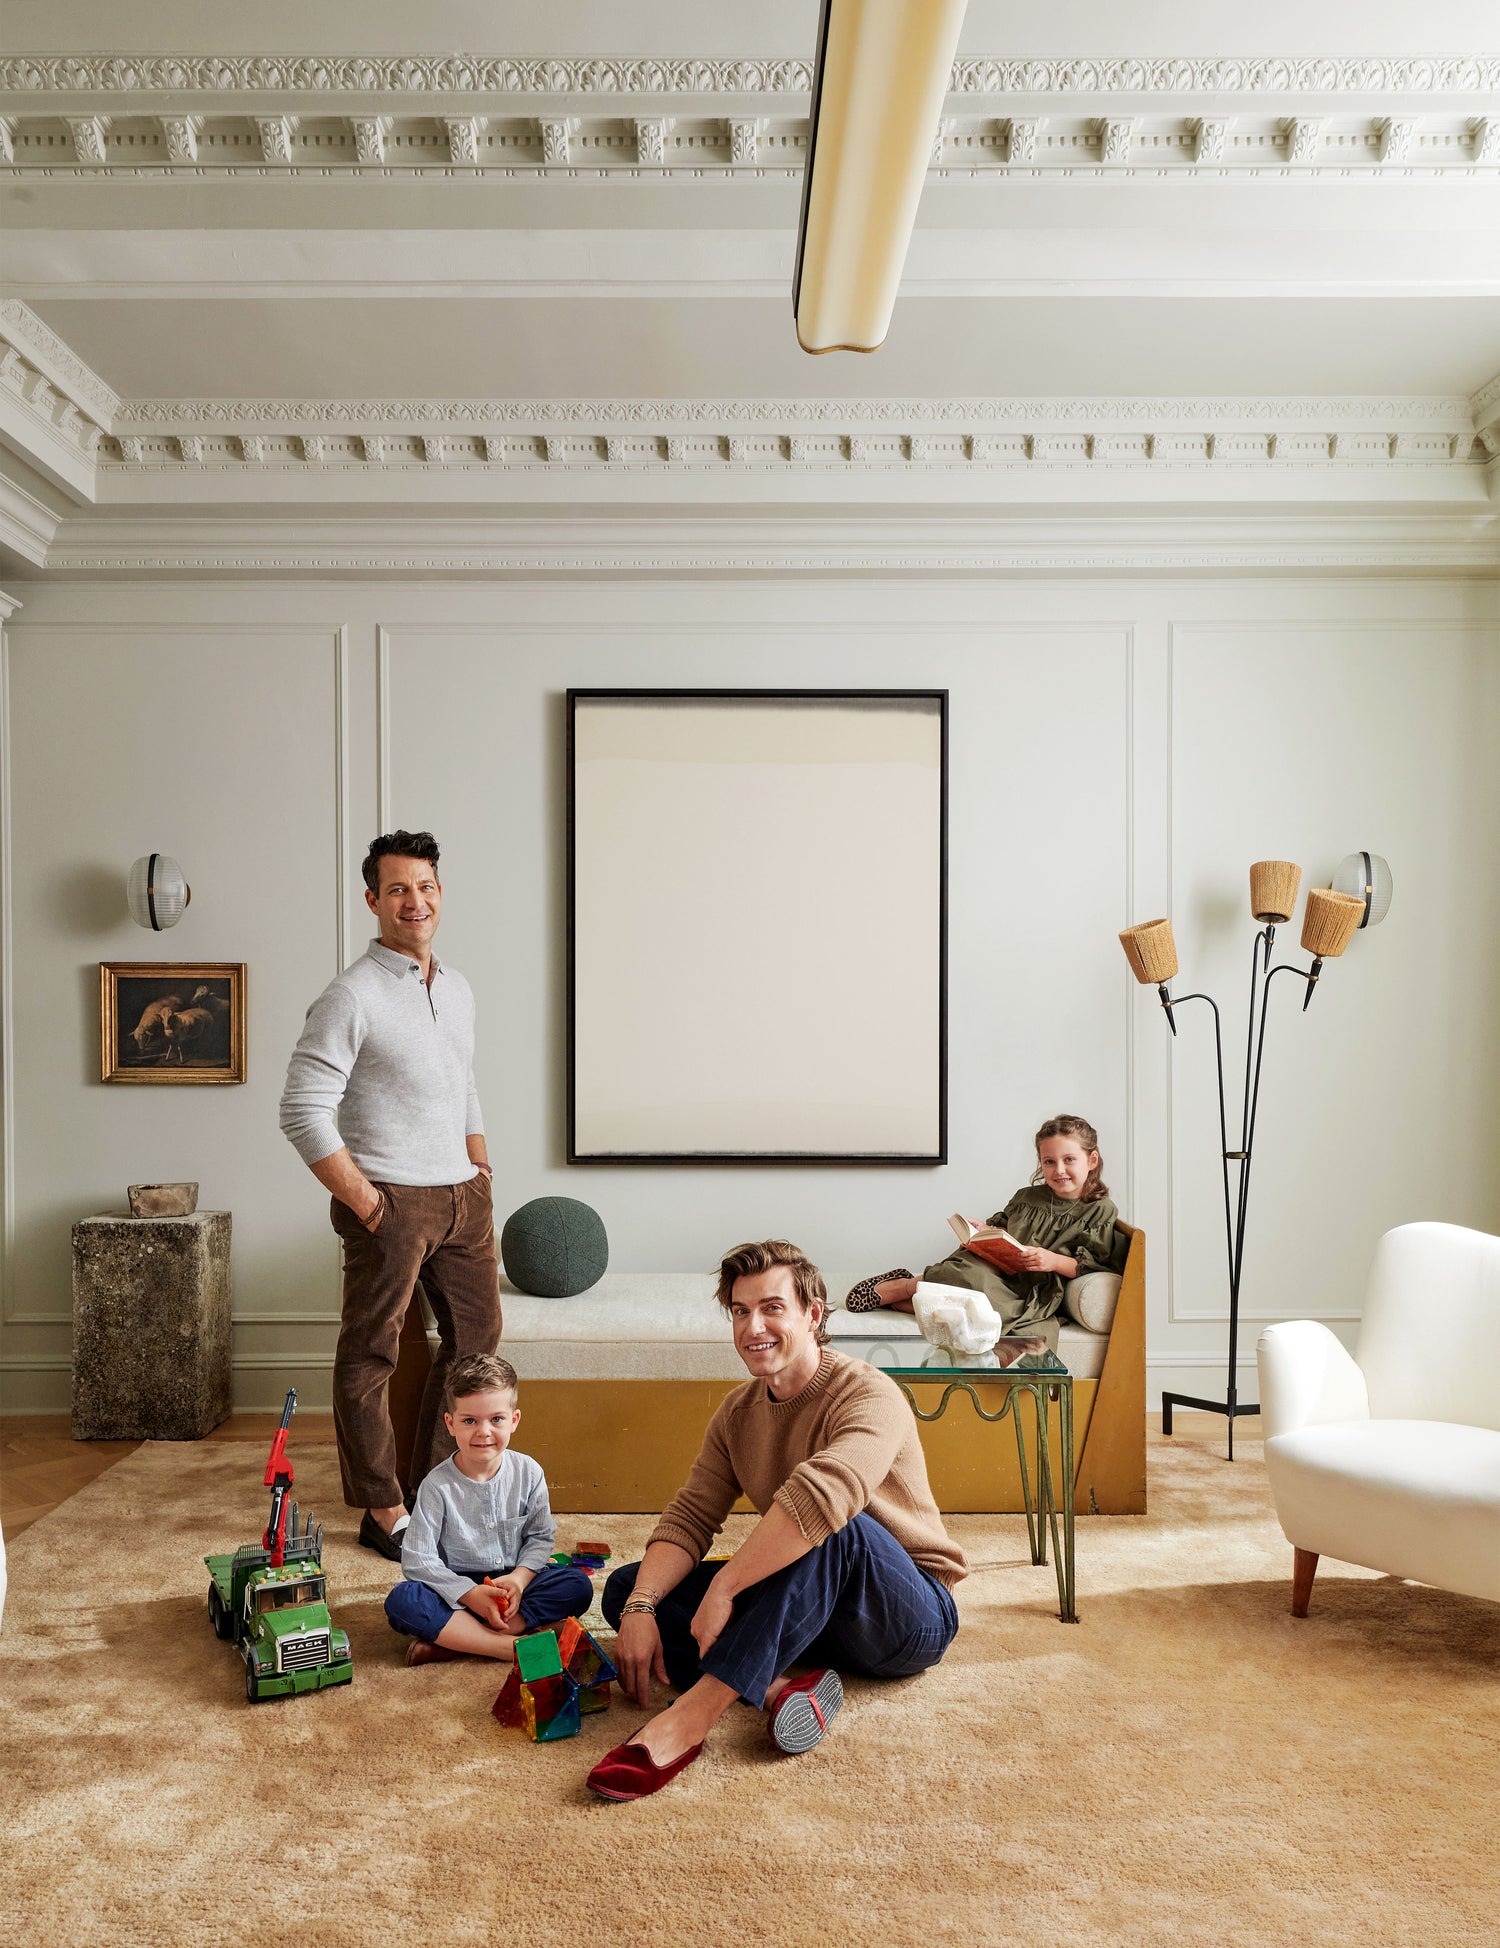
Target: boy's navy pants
{"points": [[856, 1603], [553, 1593]]}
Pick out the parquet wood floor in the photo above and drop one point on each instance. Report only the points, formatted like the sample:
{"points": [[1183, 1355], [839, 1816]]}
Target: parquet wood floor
{"points": [[41, 1465]]}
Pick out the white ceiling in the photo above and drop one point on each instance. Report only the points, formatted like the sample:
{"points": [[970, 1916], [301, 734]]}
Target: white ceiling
{"points": [[557, 348], [1371, 268]]}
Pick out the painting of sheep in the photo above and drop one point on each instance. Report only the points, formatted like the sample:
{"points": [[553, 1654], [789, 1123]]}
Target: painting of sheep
{"points": [[170, 1023]]}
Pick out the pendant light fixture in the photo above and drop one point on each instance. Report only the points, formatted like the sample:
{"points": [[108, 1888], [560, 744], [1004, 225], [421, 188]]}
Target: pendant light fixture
{"points": [[879, 83]]}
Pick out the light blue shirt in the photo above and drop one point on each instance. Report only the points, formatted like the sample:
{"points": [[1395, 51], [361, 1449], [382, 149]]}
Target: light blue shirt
{"points": [[462, 1531]]}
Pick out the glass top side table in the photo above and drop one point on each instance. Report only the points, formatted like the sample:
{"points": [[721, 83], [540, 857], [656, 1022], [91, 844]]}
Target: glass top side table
{"points": [[1042, 1378]]}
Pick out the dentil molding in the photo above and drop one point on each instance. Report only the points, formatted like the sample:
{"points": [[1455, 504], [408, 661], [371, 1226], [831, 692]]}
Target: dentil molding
{"points": [[1162, 143], [455, 115], [44, 353], [797, 436]]}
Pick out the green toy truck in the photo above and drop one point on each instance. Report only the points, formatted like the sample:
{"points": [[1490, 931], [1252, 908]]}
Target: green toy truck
{"points": [[271, 1598]]}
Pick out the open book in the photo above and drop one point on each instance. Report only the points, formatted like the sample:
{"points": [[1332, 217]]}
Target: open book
{"points": [[991, 1242]]}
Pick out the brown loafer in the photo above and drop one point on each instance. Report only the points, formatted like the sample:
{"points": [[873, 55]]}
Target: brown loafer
{"points": [[419, 1653], [630, 1772]]}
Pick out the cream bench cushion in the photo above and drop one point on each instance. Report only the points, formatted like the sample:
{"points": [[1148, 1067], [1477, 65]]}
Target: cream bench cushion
{"points": [[669, 1326]]}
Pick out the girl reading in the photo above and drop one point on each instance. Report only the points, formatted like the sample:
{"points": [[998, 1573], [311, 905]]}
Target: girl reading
{"points": [[1063, 1223]]}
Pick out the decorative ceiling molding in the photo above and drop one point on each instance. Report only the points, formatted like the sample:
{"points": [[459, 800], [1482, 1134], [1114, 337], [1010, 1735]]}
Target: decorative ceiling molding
{"points": [[1178, 141], [1275, 413], [27, 527], [486, 74], [1405, 542], [42, 350], [43, 424], [796, 437], [1485, 406], [1066, 446]]}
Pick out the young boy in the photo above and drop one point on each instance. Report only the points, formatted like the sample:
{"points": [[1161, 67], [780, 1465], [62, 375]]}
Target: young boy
{"points": [[481, 1513]]}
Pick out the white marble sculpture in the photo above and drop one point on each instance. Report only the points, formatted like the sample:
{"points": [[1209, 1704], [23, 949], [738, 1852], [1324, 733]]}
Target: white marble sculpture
{"points": [[955, 1318]]}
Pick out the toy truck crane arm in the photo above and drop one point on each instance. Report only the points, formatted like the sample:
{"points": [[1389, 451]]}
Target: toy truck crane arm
{"points": [[279, 1477]]}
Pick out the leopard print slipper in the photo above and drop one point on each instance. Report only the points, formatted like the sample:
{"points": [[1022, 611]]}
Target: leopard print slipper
{"points": [[864, 1298]]}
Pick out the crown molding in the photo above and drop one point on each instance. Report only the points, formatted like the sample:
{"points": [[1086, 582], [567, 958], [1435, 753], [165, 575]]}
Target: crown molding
{"points": [[1169, 139], [46, 354], [795, 449], [27, 528], [1484, 406], [317, 75], [1166, 541], [1275, 412], [460, 115]]}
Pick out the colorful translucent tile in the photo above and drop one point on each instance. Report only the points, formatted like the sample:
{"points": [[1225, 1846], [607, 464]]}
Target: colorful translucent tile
{"points": [[507, 1706], [582, 1658], [549, 1707], [561, 1556], [593, 1697], [538, 1656], [599, 1549], [546, 1708]]}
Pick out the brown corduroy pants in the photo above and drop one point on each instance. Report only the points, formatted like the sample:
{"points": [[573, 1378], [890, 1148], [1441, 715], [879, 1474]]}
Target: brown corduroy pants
{"points": [[444, 1235]]}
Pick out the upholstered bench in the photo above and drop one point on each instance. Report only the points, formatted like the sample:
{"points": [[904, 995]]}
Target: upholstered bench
{"points": [[618, 1384]]}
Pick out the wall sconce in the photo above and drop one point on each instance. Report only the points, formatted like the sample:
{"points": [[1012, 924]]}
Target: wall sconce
{"points": [[157, 892], [879, 83], [1367, 877], [1330, 921]]}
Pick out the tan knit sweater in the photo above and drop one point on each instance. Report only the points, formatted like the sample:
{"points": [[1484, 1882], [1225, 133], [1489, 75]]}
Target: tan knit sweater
{"points": [[845, 1445]]}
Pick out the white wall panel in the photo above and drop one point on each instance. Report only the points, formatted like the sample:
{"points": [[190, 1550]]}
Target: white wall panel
{"points": [[1306, 741], [220, 744], [1118, 750]]}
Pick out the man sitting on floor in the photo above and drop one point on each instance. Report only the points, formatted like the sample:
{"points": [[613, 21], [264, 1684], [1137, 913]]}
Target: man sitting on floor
{"points": [[849, 1565]]}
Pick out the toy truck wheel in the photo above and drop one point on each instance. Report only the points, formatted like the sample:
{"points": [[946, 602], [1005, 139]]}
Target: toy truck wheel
{"points": [[218, 1614], [251, 1694]]}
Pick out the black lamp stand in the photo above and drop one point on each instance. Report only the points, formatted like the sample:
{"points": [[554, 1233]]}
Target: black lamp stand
{"points": [[1262, 973]]}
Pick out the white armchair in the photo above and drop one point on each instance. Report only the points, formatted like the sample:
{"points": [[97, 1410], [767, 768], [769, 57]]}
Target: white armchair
{"points": [[1391, 1459]]}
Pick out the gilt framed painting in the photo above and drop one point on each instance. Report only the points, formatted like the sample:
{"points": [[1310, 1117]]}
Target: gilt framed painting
{"points": [[757, 926], [172, 1021]]}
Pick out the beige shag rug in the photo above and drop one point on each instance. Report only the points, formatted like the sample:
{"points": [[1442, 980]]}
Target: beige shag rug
{"points": [[1188, 1764]]}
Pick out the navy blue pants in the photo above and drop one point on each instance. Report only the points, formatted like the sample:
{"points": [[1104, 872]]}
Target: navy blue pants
{"points": [[416, 1609], [856, 1603]]}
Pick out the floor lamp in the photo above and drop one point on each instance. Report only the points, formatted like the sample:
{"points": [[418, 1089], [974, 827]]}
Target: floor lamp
{"points": [[1329, 922]]}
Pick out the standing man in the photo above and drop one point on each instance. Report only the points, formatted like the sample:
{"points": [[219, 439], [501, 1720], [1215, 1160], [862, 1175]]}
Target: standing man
{"points": [[380, 1105], [849, 1566]]}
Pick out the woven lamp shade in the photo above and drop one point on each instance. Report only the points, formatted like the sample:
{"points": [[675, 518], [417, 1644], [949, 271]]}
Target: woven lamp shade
{"points": [[1273, 890], [1152, 952], [1329, 921]]}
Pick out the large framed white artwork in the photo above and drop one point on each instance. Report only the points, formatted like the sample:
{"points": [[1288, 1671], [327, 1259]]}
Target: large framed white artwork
{"points": [[757, 926]]}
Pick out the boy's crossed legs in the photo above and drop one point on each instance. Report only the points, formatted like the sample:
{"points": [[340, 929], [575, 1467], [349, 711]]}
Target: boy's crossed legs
{"points": [[417, 1611]]}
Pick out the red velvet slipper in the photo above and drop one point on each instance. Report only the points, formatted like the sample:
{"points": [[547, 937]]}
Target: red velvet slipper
{"points": [[630, 1772], [803, 1709]]}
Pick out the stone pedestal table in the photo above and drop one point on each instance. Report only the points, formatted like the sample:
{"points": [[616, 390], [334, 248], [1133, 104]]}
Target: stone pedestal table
{"points": [[151, 1332]]}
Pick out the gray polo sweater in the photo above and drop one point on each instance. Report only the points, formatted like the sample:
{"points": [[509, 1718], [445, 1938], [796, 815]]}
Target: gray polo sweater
{"points": [[386, 1066]]}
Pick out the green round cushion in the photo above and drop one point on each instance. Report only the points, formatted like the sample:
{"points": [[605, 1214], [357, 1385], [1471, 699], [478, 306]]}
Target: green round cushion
{"points": [[554, 1247]]}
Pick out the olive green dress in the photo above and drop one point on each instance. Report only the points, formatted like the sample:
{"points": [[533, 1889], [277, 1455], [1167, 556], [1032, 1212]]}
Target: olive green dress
{"points": [[1029, 1302]]}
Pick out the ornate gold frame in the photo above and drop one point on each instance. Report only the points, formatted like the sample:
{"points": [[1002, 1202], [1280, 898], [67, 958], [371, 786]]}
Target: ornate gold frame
{"points": [[112, 972]]}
